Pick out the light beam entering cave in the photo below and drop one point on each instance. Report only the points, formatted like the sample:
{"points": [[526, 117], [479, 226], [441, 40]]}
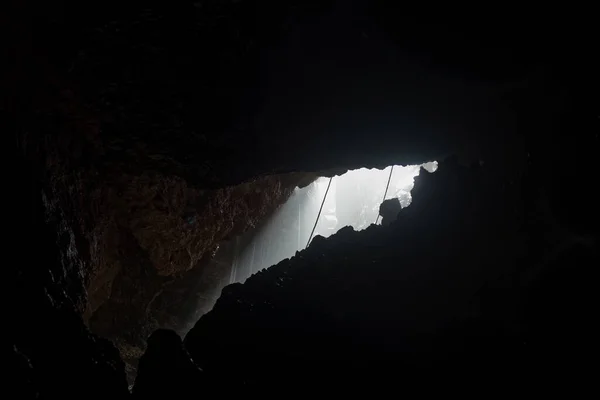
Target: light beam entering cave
{"points": [[353, 199]]}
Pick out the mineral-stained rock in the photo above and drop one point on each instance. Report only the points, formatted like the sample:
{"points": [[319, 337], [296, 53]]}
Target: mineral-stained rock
{"points": [[159, 233]]}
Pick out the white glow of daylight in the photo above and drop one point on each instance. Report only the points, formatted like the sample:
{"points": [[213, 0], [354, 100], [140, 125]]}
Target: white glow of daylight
{"points": [[353, 199]]}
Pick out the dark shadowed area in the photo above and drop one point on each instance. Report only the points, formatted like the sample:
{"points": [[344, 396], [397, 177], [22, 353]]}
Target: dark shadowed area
{"points": [[161, 151]]}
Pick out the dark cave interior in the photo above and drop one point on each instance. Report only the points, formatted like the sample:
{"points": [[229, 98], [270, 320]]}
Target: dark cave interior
{"points": [[150, 137]]}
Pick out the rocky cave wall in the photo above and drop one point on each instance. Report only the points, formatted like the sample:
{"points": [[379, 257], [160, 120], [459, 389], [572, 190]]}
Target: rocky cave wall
{"points": [[475, 285], [148, 130], [157, 233], [51, 351], [131, 235]]}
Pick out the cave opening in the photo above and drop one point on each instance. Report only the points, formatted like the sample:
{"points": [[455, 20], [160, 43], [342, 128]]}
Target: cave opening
{"points": [[153, 163], [321, 209]]}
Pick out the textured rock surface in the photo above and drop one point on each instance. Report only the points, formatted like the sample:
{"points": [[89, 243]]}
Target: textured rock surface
{"points": [[127, 113], [54, 355], [127, 236], [159, 230]]}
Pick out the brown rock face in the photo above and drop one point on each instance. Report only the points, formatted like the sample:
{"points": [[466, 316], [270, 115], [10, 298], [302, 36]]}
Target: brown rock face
{"points": [[131, 232], [158, 231], [174, 225]]}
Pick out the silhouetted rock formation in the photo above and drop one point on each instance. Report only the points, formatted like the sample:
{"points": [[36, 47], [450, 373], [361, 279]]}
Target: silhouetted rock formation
{"points": [[166, 369], [437, 295], [389, 210]]}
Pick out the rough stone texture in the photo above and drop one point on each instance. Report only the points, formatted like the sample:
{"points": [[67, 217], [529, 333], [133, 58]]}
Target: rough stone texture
{"points": [[159, 230], [54, 355], [126, 236], [112, 102]]}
